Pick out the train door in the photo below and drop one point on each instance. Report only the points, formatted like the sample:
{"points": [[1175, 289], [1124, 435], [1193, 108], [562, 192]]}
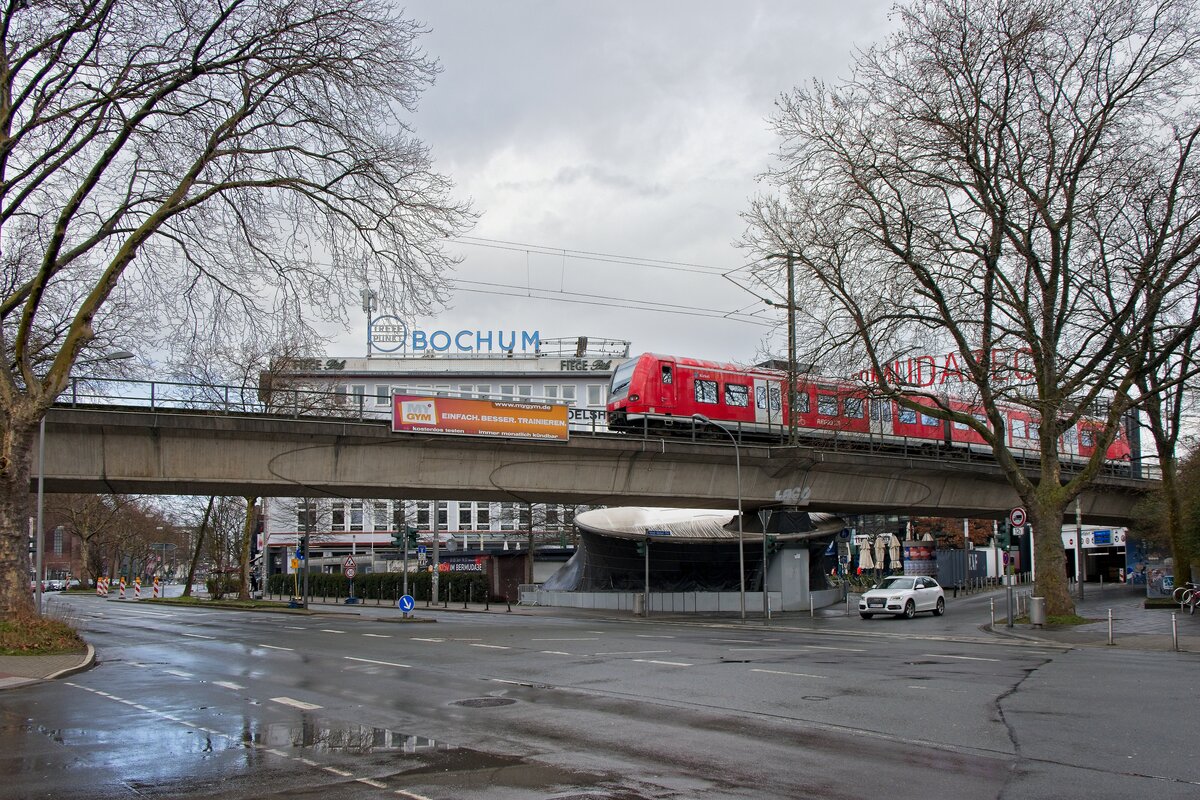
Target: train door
{"points": [[668, 378], [768, 403], [881, 416]]}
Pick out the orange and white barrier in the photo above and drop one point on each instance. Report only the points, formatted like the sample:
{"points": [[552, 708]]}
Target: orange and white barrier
{"points": [[121, 596], [101, 587], [157, 593], [137, 588]]}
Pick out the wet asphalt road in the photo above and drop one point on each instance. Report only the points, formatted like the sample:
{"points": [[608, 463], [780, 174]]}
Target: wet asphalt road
{"points": [[201, 703]]}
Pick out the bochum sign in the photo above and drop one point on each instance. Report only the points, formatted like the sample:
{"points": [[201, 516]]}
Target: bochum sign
{"points": [[389, 334]]}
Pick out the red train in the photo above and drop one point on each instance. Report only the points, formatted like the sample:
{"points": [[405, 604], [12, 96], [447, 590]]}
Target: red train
{"points": [[658, 393]]}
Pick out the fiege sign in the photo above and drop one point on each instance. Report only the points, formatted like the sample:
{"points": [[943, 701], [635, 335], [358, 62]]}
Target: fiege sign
{"points": [[457, 416]]}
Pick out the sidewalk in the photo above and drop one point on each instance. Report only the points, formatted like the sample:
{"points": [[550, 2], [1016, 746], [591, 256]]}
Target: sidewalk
{"points": [[21, 670]]}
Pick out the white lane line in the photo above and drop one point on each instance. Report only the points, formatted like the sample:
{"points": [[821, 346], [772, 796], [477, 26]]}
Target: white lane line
{"points": [[295, 627], [632, 652], [307, 762], [555, 653], [372, 661], [372, 782], [300, 704], [229, 685], [273, 647], [198, 636], [330, 630], [568, 639], [963, 658], [492, 646], [733, 641], [275, 752], [653, 636], [378, 635], [795, 674], [178, 673], [664, 663], [410, 795], [341, 773], [841, 649], [419, 639]]}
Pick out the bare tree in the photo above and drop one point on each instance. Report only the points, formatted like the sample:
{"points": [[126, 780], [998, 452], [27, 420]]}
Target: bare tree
{"points": [[196, 170], [1010, 187], [96, 520]]}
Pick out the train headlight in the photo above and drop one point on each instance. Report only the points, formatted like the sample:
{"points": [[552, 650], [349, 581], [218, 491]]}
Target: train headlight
{"points": [[634, 398]]}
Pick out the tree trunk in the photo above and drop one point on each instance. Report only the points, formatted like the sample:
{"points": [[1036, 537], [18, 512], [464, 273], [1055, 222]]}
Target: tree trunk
{"points": [[191, 576], [244, 550], [1046, 510], [17, 436]]}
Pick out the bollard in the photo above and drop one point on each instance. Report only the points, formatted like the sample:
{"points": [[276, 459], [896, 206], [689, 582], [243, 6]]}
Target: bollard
{"points": [[157, 591], [122, 594], [137, 588], [992, 603], [1110, 631], [468, 596], [1175, 631], [510, 606], [812, 606]]}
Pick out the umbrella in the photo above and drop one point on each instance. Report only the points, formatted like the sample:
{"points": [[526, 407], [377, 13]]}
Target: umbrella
{"points": [[894, 547], [864, 558], [880, 547]]}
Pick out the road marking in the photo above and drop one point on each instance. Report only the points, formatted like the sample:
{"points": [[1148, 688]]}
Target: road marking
{"points": [[330, 630], [781, 672], [664, 663], [653, 636], [371, 782], [842, 649], [275, 752], [963, 658], [578, 639], [631, 652], [229, 685], [378, 635], [341, 773], [410, 795], [372, 661], [178, 673], [419, 639], [733, 641], [273, 647], [300, 704], [492, 646], [295, 627], [198, 636], [555, 653]]}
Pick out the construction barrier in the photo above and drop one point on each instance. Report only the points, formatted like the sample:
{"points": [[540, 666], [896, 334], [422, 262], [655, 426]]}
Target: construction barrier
{"points": [[137, 588], [121, 596], [156, 589], [101, 587]]}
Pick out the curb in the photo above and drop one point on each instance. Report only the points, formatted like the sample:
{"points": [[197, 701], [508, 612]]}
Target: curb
{"points": [[89, 661]]}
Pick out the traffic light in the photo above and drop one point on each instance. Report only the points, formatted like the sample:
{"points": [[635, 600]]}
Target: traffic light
{"points": [[398, 539], [1004, 535], [301, 547], [412, 536], [641, 547]]}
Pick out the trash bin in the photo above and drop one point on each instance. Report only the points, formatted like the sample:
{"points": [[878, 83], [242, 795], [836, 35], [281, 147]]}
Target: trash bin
{"points": [[639, 605], [1037, 611]]}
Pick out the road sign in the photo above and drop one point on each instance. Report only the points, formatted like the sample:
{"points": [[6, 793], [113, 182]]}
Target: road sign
{"points": [[1017, 517], [420, 549], [349, 567], [406, 603], [658, 533], [1006, 557]]}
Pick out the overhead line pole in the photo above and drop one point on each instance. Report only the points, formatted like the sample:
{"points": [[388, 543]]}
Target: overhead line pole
{"points": [[793, 434]]}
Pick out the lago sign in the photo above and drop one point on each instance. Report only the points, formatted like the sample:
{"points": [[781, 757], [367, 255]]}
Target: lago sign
{"points": [[388, 334]]}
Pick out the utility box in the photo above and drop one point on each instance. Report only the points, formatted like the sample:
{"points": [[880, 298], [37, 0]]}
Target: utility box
{"points": [[639, 605], [1037, 611]]}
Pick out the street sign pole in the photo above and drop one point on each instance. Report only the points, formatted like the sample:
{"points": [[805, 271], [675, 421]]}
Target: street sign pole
{"points": [[406, 563]]}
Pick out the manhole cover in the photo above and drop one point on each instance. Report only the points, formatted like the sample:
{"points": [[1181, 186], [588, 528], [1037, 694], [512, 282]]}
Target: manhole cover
{"points": [[484, 702]]}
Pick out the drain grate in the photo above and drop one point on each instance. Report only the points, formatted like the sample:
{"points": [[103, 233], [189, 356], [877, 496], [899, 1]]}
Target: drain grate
{"points": [[484, 702]]}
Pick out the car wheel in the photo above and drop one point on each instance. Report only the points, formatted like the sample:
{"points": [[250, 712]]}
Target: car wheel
{"points": [[910, 609], [865, 615], [940, 608]]}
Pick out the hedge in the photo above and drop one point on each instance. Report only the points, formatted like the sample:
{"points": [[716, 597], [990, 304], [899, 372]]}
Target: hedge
{"points": [[387, 586]]}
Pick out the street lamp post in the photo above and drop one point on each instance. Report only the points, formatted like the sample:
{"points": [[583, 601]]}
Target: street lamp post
{"points": [[39, 545], [737, 460]]}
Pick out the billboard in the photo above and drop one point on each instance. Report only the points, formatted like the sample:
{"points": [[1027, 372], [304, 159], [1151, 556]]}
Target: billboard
{"points": [[460, 416]]}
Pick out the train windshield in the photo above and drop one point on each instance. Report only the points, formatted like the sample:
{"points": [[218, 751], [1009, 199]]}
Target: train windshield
{"points": [[621, 379]]}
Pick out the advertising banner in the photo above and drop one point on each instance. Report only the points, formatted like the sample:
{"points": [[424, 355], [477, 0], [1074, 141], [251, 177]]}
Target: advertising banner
{"points": [[458, 416]]}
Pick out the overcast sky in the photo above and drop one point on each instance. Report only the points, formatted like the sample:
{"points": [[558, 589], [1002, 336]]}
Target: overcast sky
{"points": [[635, 129]]}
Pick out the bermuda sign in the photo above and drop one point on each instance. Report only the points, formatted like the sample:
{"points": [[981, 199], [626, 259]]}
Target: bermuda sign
{"points": [[457, 416]]}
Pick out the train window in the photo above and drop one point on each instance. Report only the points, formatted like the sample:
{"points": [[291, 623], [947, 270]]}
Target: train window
{"points": [[706, 391], [621, 378], [737, 395], [983, 420], [1019, 429], [776, 398], [907, 415], [928, 420], [961, 426], [854, 407], [666, 374], [881, 410], [827, 405], [802, 406], [760, 397], [1035, 430], [1086, 437]]}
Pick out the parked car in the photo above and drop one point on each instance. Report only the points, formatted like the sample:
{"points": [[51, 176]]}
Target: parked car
{"points": [[903, 595]]}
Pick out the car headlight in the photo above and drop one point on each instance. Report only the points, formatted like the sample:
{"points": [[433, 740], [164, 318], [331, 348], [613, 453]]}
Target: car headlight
{"points": [[896, 597]]}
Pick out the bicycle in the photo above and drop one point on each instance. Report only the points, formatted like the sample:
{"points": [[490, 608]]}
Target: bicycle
{"points": [[1188, 596]]}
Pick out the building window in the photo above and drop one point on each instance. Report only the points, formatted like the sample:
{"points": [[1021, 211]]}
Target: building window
{"points": [[465, 523], [737, 395], [58, 540], [551, 517], [466, 389], [380, 515], [508, 391], [358, 394], [383, 395], [484, 389], [706, 391], [525, 390], [568, 394], [356, 515], [484, 517], [338, 512], [595, 395], [423, 512], [443, 516], [550, 392]]}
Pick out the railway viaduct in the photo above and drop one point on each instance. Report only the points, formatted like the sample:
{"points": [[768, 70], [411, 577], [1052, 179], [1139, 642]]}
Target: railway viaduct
{"points": [[179, 452]]}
